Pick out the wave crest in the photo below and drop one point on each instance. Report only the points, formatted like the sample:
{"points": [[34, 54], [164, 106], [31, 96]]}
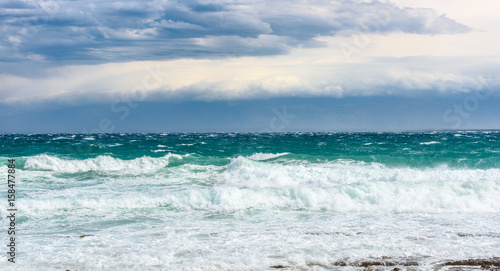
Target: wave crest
{"points": [[101, 163], [266, 156]]}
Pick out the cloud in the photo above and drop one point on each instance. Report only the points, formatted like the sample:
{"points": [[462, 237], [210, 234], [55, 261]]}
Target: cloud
{"points": [[249, 78], [102, 31]]}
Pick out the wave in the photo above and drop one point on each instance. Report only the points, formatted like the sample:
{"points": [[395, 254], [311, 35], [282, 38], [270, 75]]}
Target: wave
{"points": [[64, 137], [358, 186], [249, 173], [430, 143], [376, 198], [115, 145], [266, 156], [245, 184], [102, 163]]}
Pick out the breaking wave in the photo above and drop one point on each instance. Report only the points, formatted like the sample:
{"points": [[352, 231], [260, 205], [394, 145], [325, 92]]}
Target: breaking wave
{"points": [[101, 164]]}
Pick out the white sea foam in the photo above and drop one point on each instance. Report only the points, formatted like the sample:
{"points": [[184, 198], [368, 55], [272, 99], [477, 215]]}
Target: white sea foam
{"points": [[100, 163], [115, 145], [430, 143], [63, 137], [266, 156], [250, 215], [340, 186], [357, 186]]}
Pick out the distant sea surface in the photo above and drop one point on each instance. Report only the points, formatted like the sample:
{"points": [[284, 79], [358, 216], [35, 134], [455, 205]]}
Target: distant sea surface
{"points": [[248, 201]]}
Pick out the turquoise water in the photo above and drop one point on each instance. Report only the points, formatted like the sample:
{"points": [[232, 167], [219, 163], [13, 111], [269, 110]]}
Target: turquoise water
{"points": [[231, 201], [417, 149]]}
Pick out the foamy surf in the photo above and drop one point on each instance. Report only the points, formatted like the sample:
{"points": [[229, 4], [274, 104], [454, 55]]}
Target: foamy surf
{"points": [[101, 164], [266, 156], [430, 143], [297, 201], [245, 184]]}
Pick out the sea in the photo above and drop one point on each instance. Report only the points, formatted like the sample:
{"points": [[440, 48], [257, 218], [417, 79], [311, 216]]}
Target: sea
{"points": [[251, 201]]}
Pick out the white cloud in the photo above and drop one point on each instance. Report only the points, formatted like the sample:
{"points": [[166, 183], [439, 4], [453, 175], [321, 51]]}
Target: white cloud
{"points": [[128, 33], [242, 66], [249, 77], [175, 25]]}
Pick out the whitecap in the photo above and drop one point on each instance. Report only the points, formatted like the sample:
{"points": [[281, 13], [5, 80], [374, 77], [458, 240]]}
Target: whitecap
{"points": [[266, 156], [430, 143], [100, 163], [115, 145], [62, 138]]}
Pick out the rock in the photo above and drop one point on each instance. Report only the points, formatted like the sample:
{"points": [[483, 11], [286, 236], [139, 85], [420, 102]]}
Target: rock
{"points": [[461, 234], [490, 234], [484, 263], [367, 264], [279, 266]]}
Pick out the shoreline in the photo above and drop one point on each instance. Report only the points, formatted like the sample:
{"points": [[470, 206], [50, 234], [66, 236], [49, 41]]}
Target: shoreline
{"points": [[388, 263]]}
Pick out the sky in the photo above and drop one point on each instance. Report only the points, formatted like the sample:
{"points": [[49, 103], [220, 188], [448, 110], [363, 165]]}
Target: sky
{"points": [[249, 66]]}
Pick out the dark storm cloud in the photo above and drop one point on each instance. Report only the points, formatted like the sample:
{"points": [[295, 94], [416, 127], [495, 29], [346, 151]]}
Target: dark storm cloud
{"points": [[103, 31]]}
